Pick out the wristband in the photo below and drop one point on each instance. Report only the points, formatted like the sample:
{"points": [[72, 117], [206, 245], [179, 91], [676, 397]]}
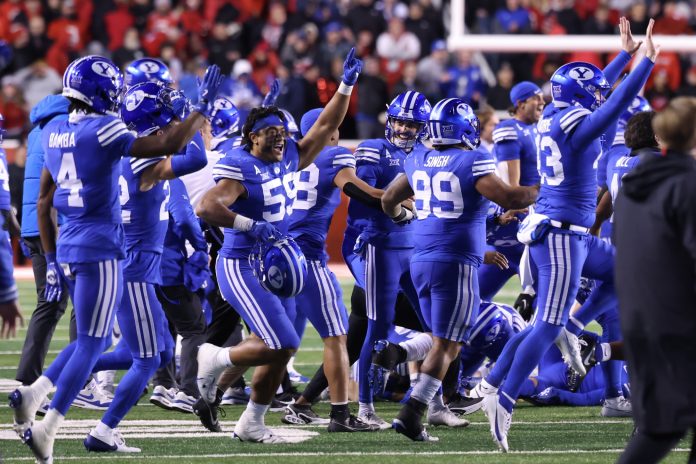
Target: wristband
{"points": [[242, 223], [345, 89]]}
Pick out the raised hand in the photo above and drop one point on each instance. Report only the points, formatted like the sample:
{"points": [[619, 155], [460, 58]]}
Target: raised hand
{"points": [[54, 279], [272, 95], [628, 43], [651, 50], [262, 230], [207, 90], [352, 67]]}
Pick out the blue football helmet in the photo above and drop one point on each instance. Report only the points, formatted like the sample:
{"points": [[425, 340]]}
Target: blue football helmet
{"points": [[147, 107], [580, 83], [224, 120], [490, 334], [290, 125], [638, 105], [453, 122], [409, 106], [147, 70], [95, 81], [280, 266]]}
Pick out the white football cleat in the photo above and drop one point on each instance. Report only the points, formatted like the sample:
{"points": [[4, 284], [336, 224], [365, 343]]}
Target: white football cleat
{"points": [[110, 443], [374, 421], [40, 442], [482, 390], [208, 371], [499, 420], [617, 407], [254, 432], [444, 416], [24, 402], [569, 344]]}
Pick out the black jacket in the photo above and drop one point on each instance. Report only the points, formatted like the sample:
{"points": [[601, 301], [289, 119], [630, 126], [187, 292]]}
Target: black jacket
{"points": [[655, 237]]}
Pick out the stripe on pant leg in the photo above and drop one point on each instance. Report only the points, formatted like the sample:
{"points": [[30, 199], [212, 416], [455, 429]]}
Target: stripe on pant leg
{"points": [[242, 297], [560, 273], [457, 305], [99, 302], [467, 301], [335, 308], [112, 274], [260, 314], [323, 304], [133, 299], [371, 283], [150, 330]]}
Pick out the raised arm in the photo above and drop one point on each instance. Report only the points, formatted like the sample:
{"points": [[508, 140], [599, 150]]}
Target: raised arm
{"points": [[332, 116], [193, 159], [174, 140]]}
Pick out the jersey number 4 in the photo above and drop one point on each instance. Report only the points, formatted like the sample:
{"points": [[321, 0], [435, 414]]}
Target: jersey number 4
{"points": [[446, 190], [68, 180]]}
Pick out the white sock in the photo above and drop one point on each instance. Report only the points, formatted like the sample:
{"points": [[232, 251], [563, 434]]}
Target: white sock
{"points": [[42, 386], [52, 421], [222, 358], [291, 364], [425, 388], [413, 378], [104, 430], [365, 408], [487, 387], [437, 404], [256, 411], [417, 348]]}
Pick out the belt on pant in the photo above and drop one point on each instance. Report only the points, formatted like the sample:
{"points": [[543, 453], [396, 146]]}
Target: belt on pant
{"points": [[569, 226]]}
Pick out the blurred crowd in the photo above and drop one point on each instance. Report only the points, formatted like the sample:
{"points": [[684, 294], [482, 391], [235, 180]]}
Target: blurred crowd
{"points": [[303, 42]]}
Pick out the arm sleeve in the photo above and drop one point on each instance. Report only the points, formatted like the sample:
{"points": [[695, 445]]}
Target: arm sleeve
{"points": [[593, 124], [193, 159], [184, 219], [354, 192], [614, 68]]}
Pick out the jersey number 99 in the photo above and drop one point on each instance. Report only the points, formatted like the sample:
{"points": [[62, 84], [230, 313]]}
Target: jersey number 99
{"points": [[440, 195]]}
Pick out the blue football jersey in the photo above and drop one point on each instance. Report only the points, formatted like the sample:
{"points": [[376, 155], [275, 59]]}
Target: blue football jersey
{"points": [[83, 155], [451, 212], [378, 162], [501, 236], [269, 193], [224, 145], [618, 165], [144, 214], [515, 140], [316, 199], [4, 182]]}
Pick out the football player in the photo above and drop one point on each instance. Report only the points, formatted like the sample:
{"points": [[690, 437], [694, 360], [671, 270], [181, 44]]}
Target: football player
{"points": [[386, 247], [560, 246], [84, 189], [250, 201], [452, 184], [9, 298]]}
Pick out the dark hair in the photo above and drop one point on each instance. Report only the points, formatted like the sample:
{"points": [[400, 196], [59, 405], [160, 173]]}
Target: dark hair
{"points": [[77, 105], [639, 132], [255, 115], [485, 113]]}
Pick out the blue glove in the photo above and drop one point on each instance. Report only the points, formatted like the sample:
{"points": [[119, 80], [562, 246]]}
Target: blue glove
{"points": [[352, 68], [207, 90], [272, 95], [262, 230], [25, 248], [585, 290], [54, 279], [179, 103], [196, 270]]}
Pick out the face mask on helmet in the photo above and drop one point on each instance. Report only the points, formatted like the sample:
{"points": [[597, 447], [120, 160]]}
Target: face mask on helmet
{"points": [[280, 266], [407, 117]]}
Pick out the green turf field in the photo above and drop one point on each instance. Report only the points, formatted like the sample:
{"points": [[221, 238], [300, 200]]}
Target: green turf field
{"points": [[538, 435]]}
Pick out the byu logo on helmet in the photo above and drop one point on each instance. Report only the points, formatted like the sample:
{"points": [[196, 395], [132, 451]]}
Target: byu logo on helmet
{"points": [[275, 277], [149, 67], [280, 266], [581, 73], [103, 69], [134, 100]]}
